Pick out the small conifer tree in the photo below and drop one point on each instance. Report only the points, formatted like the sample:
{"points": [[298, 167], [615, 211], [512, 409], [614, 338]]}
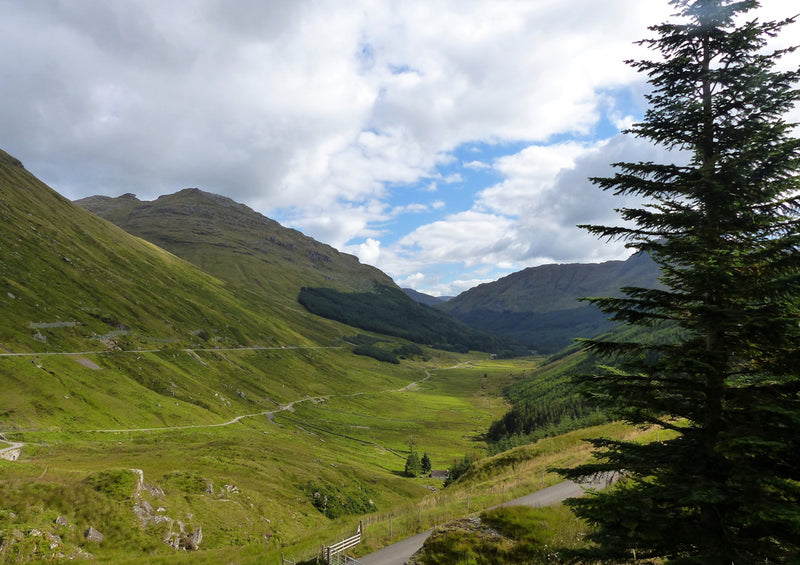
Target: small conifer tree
{"points": [[413, 467], [425, 464]]}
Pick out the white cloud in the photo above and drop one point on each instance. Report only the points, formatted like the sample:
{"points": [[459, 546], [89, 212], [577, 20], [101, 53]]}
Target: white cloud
{"points": [[551, 193], [369, 252], [528, 175], [274, 104], [476, 165], [318, 111]]}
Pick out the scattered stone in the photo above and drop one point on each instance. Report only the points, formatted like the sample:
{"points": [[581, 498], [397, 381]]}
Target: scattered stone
{"points": [[60, 521], [39, 337], [93, 535], [143, 511], [80, 553], [154, 490], [33, 532], [11, 296], [55, 540]]}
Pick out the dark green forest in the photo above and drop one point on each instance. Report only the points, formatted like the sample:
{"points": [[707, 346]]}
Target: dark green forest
{"points": [[390, 311]]}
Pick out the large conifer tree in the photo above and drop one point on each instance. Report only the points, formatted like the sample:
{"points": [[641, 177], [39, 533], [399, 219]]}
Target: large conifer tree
{"points": [[723, 485]]}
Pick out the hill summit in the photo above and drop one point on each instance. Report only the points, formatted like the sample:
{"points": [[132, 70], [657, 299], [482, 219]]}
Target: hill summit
{"points": [[235, 243]]}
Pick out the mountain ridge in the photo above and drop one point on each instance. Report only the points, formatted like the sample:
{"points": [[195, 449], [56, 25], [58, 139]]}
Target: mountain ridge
{"points": [[540, 306], [196, 225]]}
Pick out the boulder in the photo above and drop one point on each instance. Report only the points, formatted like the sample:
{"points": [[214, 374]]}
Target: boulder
{"points": [[93, 535]]}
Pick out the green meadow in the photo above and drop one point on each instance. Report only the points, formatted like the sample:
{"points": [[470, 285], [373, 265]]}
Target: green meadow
{"points": [[316, 421]]}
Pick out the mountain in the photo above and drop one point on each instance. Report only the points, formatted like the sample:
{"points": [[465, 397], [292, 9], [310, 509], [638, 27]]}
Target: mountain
{"points": [[279, 265], [423, 298], [234, 243], [540, 307], [68, 278]]}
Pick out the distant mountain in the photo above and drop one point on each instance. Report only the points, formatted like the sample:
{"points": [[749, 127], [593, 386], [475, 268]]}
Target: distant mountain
{"points": [[539, 306], [425, 299], [389, 311]]}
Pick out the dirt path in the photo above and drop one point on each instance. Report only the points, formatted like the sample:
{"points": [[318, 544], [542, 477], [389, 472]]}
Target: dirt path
{"points": [[140, 351], [270, 414]]}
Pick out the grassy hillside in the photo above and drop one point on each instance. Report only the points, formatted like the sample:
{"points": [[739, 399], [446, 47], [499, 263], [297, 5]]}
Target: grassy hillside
{"points": [[549, 400], [390, 311], [278, 265], [241, 483], [241, 413], [69, 279], [236, 244]]}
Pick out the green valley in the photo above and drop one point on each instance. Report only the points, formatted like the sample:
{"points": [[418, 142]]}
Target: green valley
{"points": [[191, 409]]}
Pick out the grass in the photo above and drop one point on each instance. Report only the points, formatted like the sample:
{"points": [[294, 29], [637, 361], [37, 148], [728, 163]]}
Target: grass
{"points": [[269, 466], [491, 481], [520, 535]]}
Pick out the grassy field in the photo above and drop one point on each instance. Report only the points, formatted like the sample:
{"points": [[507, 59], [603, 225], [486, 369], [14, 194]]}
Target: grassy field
{"points": [[249, 485], [491, 481]]}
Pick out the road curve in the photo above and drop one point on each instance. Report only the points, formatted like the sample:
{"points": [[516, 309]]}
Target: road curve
{"points": [[399, 553]]}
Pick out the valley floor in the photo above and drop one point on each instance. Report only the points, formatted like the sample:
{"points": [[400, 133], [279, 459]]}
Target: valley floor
{"points": [[243, 443]]}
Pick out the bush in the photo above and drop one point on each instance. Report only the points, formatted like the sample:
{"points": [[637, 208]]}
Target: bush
{"points": [[459, 468], [334, 501], [383, 355], [117, 484], [413, 465], [425, 464]]}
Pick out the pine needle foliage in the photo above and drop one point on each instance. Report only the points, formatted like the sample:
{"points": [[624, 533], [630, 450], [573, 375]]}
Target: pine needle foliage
{"points": [[723, 225]]}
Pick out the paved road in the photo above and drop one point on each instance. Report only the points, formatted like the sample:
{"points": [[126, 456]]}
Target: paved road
{"points": [[397, 553], [400, 552]]}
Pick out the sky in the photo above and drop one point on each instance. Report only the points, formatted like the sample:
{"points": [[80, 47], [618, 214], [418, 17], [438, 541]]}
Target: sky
{"points": [[447, 142]]}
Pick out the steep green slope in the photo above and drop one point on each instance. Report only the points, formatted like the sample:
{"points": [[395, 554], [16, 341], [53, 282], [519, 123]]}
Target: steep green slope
{"points": [[549, 401], [238, 245], [539, 306], [69, 279]]}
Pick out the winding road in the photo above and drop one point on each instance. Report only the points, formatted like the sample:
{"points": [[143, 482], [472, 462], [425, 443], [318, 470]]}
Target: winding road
{"points": [[399, 553]]}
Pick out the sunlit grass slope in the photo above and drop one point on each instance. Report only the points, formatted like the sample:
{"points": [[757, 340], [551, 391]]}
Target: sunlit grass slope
{"points": [[346, 439], [237, 244], [69, 279]]}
